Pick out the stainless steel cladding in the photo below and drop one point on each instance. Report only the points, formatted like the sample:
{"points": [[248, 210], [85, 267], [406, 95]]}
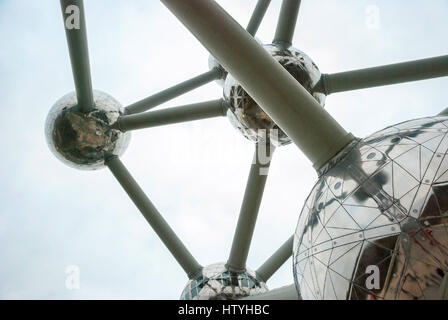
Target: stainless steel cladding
{"points": [[217, 282], [375, 223], [84, 140]]}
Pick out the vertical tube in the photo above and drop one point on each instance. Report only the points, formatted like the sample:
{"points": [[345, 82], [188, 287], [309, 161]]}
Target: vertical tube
{"points": [[248, 214], [287, 22], [76, 33], [257, 16]]}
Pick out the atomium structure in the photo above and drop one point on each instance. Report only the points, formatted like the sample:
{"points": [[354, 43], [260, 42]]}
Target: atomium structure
{"points": [[380, 203], [383, 203]]}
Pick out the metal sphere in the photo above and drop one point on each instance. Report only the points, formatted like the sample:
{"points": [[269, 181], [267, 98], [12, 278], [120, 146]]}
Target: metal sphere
{"points": [[375, 224], [84, 140], [216, 282], [245, 114]]}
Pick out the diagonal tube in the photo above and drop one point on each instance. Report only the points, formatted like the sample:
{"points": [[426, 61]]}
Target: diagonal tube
{"points": [[291, 107], [160, 226], [76, 33], [248, 212], [191, 112], [174, 91], [383, 75], [257, 16], [274, 263], [287, 22]]}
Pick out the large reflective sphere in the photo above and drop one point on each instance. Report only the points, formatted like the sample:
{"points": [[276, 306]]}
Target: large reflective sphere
{"points": [[216, 282], [245, 114], [83, 140], [375, 224]]}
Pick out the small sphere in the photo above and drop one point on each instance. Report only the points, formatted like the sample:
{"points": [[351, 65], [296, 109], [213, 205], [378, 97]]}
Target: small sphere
{"points": [[247, 116], [85, 140], [217, 282], [375, 224]]}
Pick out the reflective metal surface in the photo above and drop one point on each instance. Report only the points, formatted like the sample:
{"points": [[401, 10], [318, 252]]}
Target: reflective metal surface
{"points": [[84, 140], [375, 224], [245, 114], [216, 282]]}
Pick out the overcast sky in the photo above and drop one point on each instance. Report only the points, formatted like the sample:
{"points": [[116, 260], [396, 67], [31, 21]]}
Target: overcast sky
{"points": [[53, 216]]}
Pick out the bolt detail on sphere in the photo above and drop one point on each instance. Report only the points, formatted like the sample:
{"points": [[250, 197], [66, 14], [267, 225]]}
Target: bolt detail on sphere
{"points": [[247, 116], [85, 139]]}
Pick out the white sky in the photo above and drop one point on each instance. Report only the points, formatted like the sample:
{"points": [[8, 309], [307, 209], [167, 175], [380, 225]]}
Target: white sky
{"points": [[52, 216]]}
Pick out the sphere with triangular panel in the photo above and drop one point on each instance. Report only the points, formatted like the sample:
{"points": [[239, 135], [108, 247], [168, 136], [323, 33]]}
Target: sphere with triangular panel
{"points": [[375, 225]]}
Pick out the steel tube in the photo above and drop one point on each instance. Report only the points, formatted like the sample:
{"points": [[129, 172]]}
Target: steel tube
{"points": [[79, 52], [191, 112], [257, 16], [274, 263], [384, 75], [282, 293], [287, 22], [248, 213], [291, 107], [173, 92], [160, 226]]}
